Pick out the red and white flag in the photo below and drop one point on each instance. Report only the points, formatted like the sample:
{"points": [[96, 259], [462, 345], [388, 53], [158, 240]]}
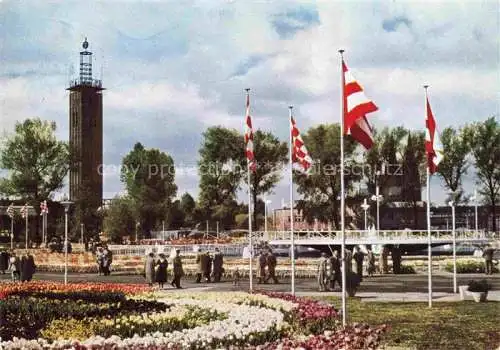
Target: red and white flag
{"points": [[301, 160], [249, 137], [10, 210], [433, 146], [44, 209], [24, 211], [356, 107]]}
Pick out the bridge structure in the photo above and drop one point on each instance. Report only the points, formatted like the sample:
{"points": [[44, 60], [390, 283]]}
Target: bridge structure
{"points": [[408, 240], [382, 237]]}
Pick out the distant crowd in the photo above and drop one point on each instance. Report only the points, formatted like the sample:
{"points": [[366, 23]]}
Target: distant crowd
{"points": [[22, 267]]}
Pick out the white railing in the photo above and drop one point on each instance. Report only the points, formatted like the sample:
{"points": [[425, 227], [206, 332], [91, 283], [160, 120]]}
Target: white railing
{"points": [[276, 236], [371, 235], [225, 249]]}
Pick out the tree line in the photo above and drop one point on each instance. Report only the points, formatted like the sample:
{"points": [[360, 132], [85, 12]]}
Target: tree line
{"points": [[37, 164]]}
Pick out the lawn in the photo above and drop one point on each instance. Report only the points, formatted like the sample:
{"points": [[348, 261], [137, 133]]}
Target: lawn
{"points": [[448, 325]]}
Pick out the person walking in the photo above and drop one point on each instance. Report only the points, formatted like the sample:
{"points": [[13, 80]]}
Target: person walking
{"points": [[218, 265], [99, 257], [337, 271], [383, 268], [396, 259], [15, 267], [149, 269], [371, 262], [358, 257], [207, 268], [199, 264], [161, 271], [30, 267], [178, 270], [24, 268], [329, 273], [4, 261], [488, 260], [348, 262], [322, 277], [108, 256], [271, 267], [261, 268]]}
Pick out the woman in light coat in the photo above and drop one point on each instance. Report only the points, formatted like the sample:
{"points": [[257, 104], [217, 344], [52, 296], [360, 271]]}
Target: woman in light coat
{"points": [[149, 269]]}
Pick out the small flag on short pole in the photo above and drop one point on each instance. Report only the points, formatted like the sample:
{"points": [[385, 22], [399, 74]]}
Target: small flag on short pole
{"points": [[11, 211]]}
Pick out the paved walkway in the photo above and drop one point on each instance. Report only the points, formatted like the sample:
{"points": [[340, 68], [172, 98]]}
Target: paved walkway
{"points": [[394, 288], [400, 297]]}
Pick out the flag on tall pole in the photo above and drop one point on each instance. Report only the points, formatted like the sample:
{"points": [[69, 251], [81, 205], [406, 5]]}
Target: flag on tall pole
{"points": [[251, 166], [302, 162], [354, 107], [25, 215], [24, 210], [434, 153], [300, 157], [10, 210]]}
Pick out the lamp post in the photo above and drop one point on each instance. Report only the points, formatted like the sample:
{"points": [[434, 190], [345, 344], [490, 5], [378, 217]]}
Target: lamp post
{"points": [[377, 197], [365, 207], [452, 205], [66, 204], [266, 202], [474, 198]]}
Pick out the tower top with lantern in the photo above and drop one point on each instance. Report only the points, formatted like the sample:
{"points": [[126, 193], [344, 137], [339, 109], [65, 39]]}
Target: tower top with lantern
{"points": [[85, 78]]}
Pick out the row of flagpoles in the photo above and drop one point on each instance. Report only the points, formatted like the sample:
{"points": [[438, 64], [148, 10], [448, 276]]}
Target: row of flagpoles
{"points": [[24, 211], [354, 106]]}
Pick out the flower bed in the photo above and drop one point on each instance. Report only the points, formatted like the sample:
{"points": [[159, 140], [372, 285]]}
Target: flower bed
{"points": [[175, 320]]}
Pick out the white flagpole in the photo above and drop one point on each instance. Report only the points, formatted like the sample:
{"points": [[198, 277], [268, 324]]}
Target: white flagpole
{"points": [[45, 228], [292, 239], [250, 273], [342, 191], [429, 236], [454, 247], [43, 225]]}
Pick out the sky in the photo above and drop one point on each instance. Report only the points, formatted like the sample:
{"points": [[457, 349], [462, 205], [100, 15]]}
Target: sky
{"points": [[173, 68]]}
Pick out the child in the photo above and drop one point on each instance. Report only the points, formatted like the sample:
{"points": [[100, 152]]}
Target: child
{"points": [[236, 277], [15, 267]]}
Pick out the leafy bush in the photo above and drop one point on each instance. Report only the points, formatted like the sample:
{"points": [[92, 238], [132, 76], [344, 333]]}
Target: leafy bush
{"points": [[468, 266], [479, 286], [407, 270]]}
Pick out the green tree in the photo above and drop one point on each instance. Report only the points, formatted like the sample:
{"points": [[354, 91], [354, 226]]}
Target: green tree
{"points": [[414, 162], [321, 189], [85, 214], [187, 206], [385, 156], [221, 167], [119, 221], [37, 162], [382, 164], [271, 155], [454, 164], [484, 140], [148, 175], [176, 216]]}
